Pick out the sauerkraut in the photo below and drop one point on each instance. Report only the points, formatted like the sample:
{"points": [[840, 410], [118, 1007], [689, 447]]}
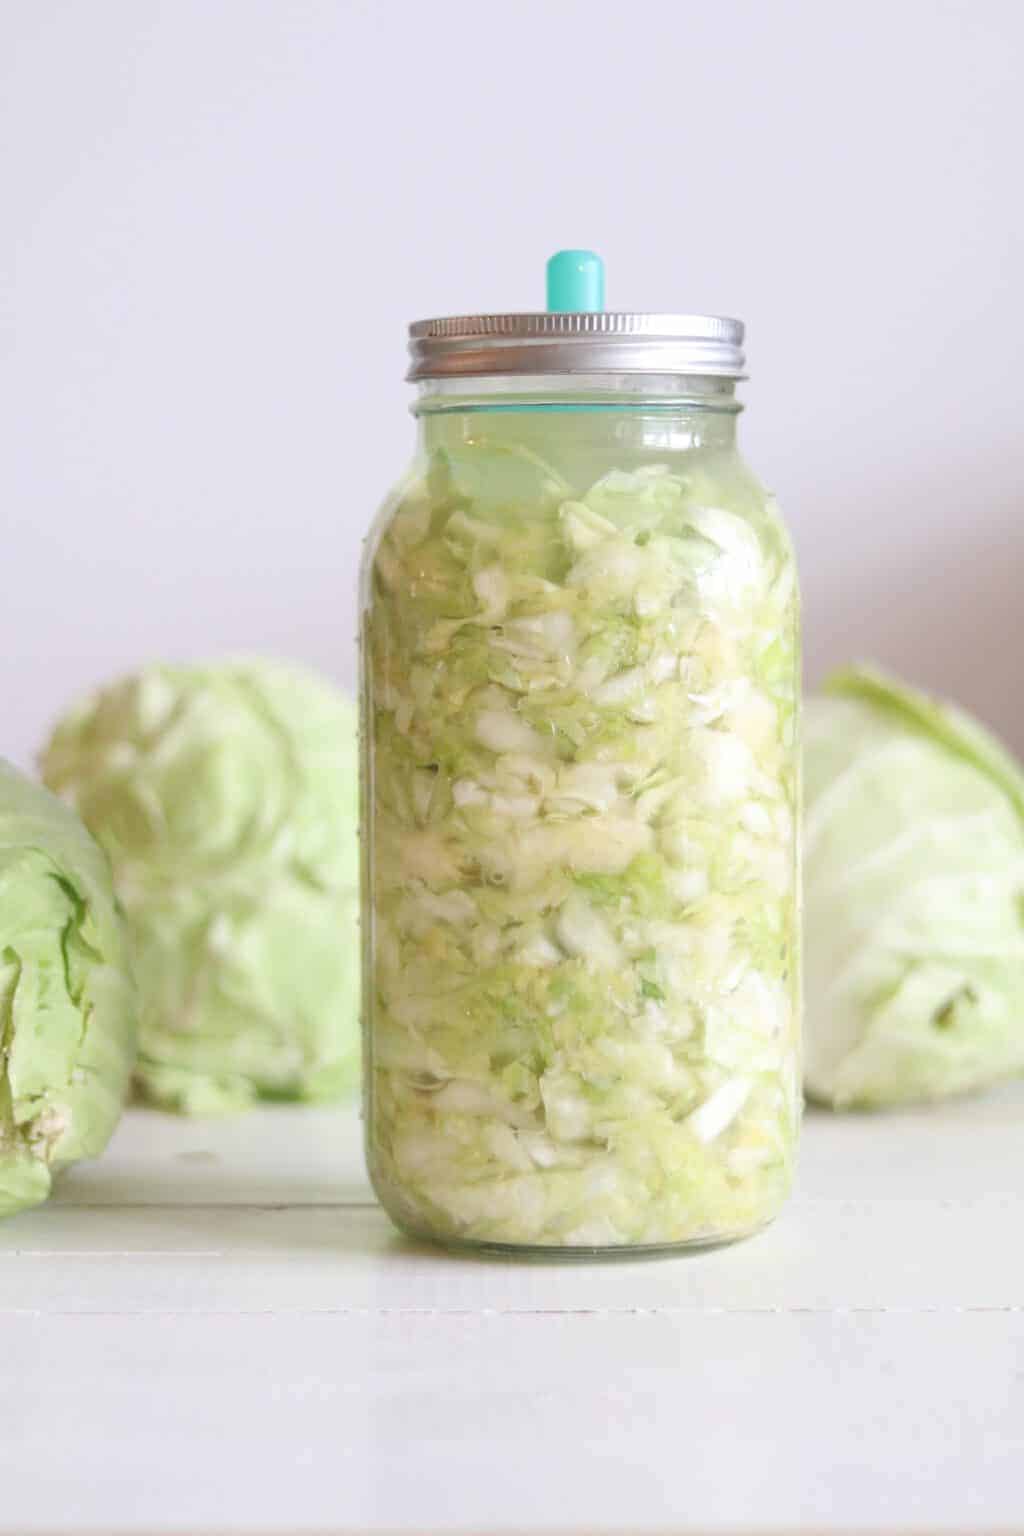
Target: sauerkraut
{"points": [[581, 774]]}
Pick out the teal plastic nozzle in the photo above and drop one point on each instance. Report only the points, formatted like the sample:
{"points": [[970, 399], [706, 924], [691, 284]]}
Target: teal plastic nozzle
{"points": [[575, 282]]}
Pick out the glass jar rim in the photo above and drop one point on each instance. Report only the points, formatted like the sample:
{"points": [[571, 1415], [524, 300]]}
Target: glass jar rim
{"points": [[592, 391]]}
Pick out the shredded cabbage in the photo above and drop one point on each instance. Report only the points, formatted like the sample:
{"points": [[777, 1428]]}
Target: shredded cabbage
{"points": [[914, 863], [581, 764]]}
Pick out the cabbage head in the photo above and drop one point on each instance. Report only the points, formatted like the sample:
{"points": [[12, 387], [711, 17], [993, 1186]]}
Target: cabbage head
{"points": [[226, 797], [914, 898], [67, 1006]]}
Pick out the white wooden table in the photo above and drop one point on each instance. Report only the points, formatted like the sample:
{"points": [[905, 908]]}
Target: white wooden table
{"points": [[215, 1329]]}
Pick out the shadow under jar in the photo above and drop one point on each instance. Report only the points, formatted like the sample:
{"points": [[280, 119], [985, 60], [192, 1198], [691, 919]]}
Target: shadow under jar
{"points": [[581, 658]]}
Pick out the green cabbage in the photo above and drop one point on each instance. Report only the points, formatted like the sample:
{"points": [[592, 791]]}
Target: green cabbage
{"points": [[914, 878], [227, 799], [67, 1007], [581, 724]]}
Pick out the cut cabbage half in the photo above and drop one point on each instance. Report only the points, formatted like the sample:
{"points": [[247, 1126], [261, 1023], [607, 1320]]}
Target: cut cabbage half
{"points": [[915, 898], [67, 1004]]}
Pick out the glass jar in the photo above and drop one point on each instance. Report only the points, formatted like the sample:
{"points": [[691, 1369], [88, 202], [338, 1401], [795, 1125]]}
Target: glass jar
{"points": [[580, 644]]}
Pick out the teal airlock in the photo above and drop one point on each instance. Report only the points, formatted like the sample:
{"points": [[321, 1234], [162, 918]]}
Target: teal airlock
{"points": [[575, 282]]}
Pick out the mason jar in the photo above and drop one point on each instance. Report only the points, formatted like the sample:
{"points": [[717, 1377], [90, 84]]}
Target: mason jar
{"points": [[581, 784]]}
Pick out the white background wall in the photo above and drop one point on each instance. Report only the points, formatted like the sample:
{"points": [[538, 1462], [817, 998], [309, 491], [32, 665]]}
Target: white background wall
{"points": [[218, 215]]}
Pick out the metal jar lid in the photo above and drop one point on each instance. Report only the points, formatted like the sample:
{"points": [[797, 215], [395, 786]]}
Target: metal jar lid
{"points": [[603, 341]]}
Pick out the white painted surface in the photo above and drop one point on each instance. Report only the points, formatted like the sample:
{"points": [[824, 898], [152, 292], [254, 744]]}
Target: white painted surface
{"points": [[215, 1329], [219, 217]]}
